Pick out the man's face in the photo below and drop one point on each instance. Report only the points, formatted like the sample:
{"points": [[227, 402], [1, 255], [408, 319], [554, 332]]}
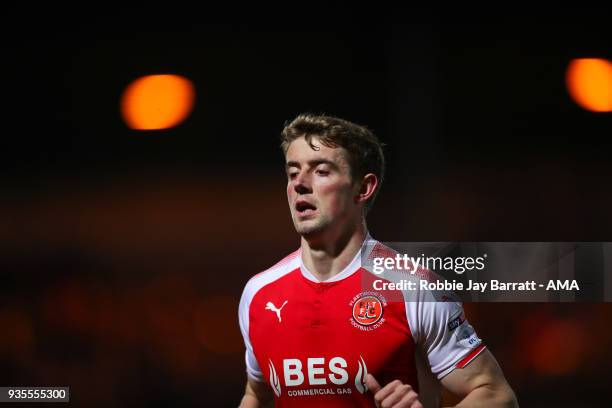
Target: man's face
{"points": [[320, 190]]}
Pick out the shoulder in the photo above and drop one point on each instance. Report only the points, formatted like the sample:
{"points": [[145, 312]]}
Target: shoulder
{"points": [[407, 270], [381, 261], [283, 267]]}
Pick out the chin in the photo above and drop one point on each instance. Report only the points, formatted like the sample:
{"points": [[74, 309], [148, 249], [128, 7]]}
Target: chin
{"points": [[309, 229]]}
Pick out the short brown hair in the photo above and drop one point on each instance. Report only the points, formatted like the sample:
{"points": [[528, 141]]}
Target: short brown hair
{"points": [[365, 153]]}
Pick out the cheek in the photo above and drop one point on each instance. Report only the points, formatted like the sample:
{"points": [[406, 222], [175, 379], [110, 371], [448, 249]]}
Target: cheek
{"points": [[335, 197], [290, 191]]}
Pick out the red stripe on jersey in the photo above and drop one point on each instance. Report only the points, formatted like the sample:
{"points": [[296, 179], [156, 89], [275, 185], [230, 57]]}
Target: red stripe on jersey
{"points": [[470, 356]]}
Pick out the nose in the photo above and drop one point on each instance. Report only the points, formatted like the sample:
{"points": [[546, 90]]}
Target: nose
{"points": [[301, 183]]}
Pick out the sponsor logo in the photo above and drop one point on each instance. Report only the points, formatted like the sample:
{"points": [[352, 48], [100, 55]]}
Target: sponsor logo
{"points": [[274, 382], [466, 336], [362, 371], [323, 377], [456, 321], [367, 310], [270, 306]]}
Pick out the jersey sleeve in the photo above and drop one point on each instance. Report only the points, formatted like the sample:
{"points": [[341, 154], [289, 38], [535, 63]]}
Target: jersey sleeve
{"points": [[252, 367], [445, 335]]}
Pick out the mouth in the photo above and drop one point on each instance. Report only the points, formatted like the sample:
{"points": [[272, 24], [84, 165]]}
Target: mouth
{"points": [[304, 208]]}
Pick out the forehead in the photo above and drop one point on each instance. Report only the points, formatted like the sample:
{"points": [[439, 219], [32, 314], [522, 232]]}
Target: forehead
{"points": [[300, 151]]}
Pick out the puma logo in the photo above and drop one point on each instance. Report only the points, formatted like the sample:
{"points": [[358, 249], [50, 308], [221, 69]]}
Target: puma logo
{"points": [[270, 306]]}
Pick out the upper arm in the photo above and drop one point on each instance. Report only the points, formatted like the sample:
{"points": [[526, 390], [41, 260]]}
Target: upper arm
{"points": [[482, 370], [458, 357], [483, 374]]}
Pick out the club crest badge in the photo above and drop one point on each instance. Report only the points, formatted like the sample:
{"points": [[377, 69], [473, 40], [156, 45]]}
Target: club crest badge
{"points": [[367, 310]]}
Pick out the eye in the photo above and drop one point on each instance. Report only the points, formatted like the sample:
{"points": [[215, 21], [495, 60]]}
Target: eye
{"points": [[292, 174], [322, 172]]}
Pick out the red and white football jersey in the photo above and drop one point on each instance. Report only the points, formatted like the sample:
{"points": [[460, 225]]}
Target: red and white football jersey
{"points": [[314, 342]]}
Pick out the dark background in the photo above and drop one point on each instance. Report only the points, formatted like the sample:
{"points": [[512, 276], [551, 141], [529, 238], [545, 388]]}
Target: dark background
{"points": [[123, 253]]}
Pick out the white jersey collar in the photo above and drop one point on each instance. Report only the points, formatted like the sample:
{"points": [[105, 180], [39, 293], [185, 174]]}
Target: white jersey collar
{"points": [[351, 268]]}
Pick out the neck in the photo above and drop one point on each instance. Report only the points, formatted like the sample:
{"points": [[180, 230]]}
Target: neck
{"points": [[327, 259]]}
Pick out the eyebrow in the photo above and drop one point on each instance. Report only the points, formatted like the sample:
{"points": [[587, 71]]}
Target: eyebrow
{"points": [[312, 163]]}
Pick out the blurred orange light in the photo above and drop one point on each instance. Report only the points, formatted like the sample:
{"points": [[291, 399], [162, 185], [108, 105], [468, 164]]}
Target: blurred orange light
{"points": [[157, 102], [559, 347], [589, 82]]}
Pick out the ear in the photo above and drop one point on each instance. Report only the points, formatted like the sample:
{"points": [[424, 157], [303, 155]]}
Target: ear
{"points": [[367, 187]]}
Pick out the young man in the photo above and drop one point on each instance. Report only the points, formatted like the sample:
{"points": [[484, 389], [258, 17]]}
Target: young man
{"points": [[314, 329]]}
